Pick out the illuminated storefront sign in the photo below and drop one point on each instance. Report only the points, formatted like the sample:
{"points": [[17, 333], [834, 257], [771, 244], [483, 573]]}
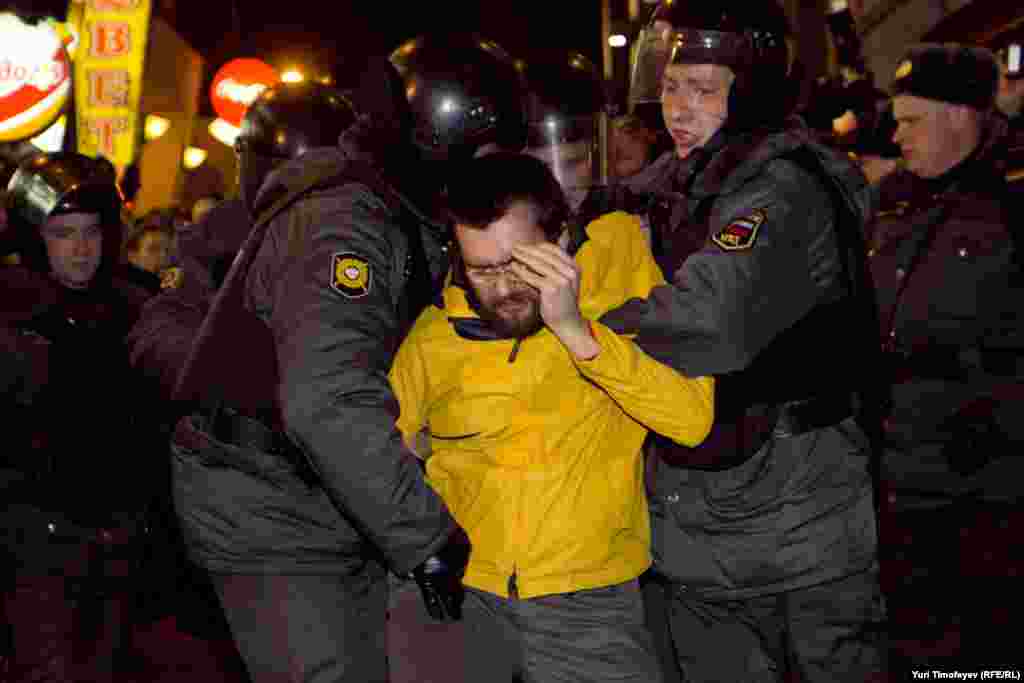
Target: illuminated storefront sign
{"points": [[108, 75], [237, 84], [35, 77]]}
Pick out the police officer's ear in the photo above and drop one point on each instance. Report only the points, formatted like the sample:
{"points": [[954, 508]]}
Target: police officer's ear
{"points": [[961, 117]]}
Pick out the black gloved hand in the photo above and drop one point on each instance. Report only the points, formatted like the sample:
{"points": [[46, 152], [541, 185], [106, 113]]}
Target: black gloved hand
{"points": [[440, 578]]}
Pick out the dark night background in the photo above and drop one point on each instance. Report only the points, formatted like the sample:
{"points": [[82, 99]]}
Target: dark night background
{"points": [[323, 37]]}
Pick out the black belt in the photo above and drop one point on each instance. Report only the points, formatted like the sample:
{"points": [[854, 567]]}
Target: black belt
{"points": [[800, 417], [233, 428]]}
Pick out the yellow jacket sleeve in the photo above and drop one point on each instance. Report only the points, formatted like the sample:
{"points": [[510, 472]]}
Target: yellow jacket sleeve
{"points": [[655, 395]]}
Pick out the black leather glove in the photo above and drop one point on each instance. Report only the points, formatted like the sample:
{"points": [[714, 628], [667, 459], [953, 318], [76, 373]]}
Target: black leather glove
{"points": [[440, 578]]}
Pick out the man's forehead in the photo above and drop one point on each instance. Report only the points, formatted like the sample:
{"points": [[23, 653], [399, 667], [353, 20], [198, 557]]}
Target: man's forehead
{"points": [[518, 226], [73, 220], [912, 105], [698, 72]]}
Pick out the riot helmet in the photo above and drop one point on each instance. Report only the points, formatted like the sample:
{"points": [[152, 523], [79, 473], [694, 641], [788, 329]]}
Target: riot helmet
{"points": [[566, 102], [465, 93], [751, 37], [284, 122], [50, 184]]}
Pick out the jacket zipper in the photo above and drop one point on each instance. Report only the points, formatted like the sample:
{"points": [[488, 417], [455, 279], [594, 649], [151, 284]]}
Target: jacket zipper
{"points": [[513, 589], [515, 350]]}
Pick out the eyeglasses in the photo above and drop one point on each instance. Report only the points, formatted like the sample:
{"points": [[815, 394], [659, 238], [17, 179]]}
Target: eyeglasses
{"points": [[489, 275]]}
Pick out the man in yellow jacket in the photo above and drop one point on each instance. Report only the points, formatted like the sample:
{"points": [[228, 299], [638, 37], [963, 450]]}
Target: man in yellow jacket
{"points": [[536, 418]]}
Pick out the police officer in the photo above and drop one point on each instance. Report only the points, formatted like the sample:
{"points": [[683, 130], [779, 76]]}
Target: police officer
{"points": [[947, 273], [324, 495], [765, 535], [71, 524], [947, 269]]}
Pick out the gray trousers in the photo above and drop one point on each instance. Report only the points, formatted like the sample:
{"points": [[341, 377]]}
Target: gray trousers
{"points": [[421, 650], [833, 632], [313, 629], [590, 636]]}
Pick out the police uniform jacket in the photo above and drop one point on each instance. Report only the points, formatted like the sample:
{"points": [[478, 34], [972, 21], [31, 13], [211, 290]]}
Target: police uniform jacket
{"points": [[537, 454], [760, 278], [75, 414], [336, 303], [948, 280], [160, 341]]}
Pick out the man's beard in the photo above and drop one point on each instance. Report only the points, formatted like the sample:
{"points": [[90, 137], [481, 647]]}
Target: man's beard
{"points": [[517, 328]]}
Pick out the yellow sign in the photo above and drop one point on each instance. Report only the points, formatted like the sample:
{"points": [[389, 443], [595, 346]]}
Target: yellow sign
{"points": [[108, 75]]}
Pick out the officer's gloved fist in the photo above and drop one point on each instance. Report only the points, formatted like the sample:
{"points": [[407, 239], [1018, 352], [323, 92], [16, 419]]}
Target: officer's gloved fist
{"points": [[440, 578]]}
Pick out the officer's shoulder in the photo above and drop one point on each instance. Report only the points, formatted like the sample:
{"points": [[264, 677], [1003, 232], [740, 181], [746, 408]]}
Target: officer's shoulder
{"points": [[352, 205], [780, 179], [792, 174], [325, 178]]}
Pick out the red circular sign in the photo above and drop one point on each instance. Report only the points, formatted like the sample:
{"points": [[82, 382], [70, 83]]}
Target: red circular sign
{"points": [[35, 78], [237, 85]]}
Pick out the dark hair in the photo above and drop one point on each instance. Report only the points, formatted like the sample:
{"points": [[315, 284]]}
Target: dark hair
{"points": [[156, 220], [482, 190]]}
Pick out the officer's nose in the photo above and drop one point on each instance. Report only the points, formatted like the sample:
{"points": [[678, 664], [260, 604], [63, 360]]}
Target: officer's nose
{"points": [[676, 111], [80, 246]]}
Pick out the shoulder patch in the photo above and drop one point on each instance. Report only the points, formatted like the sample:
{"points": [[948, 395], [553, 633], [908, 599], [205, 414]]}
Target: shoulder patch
{"points": [[740, 233], [350, 275]]}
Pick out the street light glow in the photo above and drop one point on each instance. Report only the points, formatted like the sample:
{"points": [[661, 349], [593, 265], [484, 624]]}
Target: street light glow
{"points": [[292, 76], [193, 157], [156, 126], [617, 40], [224, 131]]}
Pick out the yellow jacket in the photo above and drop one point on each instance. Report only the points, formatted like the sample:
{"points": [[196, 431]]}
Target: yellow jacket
{"points": [[539, 459]]}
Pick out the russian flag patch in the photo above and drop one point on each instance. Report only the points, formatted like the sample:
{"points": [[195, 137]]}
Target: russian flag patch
{"points": [[740, 233]]}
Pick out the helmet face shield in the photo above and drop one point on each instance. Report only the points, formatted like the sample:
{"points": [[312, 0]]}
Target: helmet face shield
{"points": [[63, 183], [39, 197], [569, 145], [662, 44]]}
